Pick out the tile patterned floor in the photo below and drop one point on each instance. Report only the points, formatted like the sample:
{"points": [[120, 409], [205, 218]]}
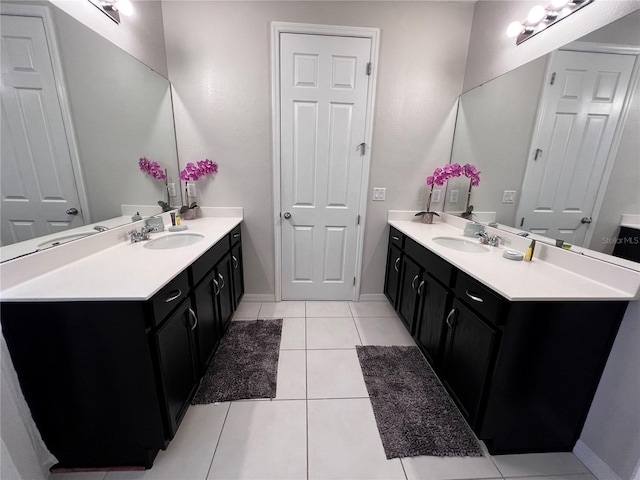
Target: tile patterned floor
{"points": [[321, 424]]}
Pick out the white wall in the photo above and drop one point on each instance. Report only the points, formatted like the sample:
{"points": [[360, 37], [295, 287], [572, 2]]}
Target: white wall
{"points": [[219, 63], [612, 428]]}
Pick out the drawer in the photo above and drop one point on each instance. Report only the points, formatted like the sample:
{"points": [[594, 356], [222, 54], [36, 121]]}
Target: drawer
{"points": [[396, 238], [208, 260], [479, 298], [235, 236], [439, 268], [169, 297]]}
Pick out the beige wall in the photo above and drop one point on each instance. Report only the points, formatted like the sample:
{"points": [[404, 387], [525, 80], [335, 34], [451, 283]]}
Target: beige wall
{"points": [[219, 63]]}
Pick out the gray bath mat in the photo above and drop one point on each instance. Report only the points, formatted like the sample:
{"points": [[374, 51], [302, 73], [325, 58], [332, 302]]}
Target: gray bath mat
{"points": [[245, 365], [414, 413]]}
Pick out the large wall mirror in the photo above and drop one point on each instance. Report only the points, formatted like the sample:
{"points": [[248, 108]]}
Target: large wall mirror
{"points": [[557, 141], [77, 115]]}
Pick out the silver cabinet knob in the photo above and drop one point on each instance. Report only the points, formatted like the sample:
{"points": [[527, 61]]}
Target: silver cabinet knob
{"points": [[287, 215], [72, 211]]}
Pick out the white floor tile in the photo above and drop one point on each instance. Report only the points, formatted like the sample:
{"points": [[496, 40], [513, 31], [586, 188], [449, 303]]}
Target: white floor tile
{"points": [[263, 440], [338, 332], [189, 454], [372, 309], [447, 468], [293, 334], [281, 309], [383, 331], [539, 464], [292, 375], [80, 476], [328, 309], [575, 476], [344, 442], [247, 310], [334, 374]]}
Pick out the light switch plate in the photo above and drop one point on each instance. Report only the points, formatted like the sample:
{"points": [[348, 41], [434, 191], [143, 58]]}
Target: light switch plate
{"points": [[191, 189], [379, 194], [509, 196], [453, 196], [435, 196], [172, 189]]}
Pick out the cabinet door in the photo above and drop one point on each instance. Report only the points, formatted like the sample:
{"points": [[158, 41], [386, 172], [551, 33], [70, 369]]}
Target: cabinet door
{"points": [[392, 279], [204, 298], [429, 329], [238, 274], [175, 346], [468, 359], [408, 295], [224, 278]]}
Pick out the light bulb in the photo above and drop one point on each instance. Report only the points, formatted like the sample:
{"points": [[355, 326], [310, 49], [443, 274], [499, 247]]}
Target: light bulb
{"points": [[124, 7], [559, 4], [514, 29], [536, 15]]}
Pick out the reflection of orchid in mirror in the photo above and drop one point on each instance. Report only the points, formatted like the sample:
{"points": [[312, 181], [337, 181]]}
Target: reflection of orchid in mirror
{"points": [[152, 168]]}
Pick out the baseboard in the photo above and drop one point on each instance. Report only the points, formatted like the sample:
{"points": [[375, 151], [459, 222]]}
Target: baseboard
{"points": [[593, 462], [258, 297], [373, 297]]}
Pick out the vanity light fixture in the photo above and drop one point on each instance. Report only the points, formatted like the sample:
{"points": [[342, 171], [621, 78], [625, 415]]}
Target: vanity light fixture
{"points": [[540, 18], [114, 8]]}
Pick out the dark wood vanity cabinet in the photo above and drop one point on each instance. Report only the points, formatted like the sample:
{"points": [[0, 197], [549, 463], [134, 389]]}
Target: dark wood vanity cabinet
{"points": [[522, 373], [108, 382]]}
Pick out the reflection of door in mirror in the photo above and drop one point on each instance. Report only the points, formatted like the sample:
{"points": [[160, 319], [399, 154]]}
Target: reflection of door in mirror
{"points": [[39, 194], [578, 116]]}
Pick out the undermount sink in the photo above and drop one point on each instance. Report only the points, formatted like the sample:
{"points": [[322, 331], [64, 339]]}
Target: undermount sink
{"points": [[460, 244], [177, 240], [64, 239]]}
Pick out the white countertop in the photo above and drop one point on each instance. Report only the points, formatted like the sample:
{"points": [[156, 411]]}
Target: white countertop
{"points": [[538, 280], [123, 271]]}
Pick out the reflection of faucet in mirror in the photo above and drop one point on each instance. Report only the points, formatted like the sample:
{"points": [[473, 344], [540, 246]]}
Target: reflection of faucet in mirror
{"points": [[137, 112], [550, 159], [100, 228]]}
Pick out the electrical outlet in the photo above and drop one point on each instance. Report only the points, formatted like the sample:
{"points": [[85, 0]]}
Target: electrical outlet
{"points": [[435, 196], [453, 196], [379, 194], [191, 189], [172, 189], [509, 196]]}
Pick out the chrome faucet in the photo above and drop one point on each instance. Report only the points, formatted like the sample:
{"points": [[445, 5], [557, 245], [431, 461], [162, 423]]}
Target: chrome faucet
{"points": [[100, 228], [143, 234], [486, 239]]}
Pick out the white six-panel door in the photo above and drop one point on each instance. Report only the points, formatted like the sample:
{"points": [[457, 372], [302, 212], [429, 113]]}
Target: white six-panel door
{"points": [[570, 151], [38, 183], [323, 101]]}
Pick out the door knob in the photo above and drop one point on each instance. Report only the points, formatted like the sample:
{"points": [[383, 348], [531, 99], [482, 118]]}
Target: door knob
{"points": [[287, 215], [586, 220], [72, 211]]}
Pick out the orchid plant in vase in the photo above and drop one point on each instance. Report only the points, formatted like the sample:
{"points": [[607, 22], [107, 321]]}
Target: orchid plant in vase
{"points": [[191, 173], [440, 176], [154, 170]]}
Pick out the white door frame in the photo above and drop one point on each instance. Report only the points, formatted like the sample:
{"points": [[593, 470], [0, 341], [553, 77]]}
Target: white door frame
{"points": [[330, 30], [61, 90], [624, 113]]}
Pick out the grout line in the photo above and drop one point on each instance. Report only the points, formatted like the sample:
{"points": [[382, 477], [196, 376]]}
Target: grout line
{"points": [[218, 442], [357, 330], [341, 398], [403, 470], [306, 389]]}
